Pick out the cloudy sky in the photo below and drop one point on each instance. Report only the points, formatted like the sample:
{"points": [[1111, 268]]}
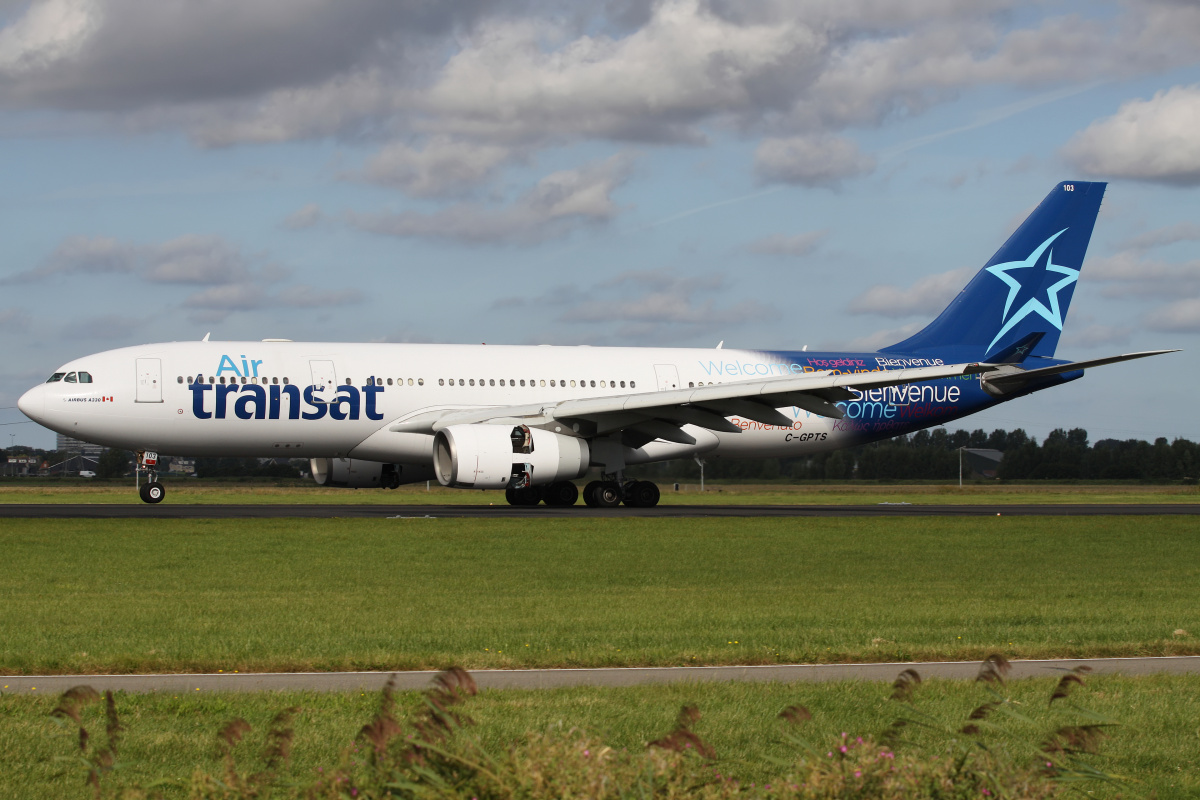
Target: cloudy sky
{"points": [[768, 173]]}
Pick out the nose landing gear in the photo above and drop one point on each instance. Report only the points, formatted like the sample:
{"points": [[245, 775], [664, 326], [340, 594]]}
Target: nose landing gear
{"points": [[151, 491]]}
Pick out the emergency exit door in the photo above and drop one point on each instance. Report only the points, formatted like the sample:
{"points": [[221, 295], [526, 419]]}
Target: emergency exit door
{"points": [[149, 380], [324, 379], [668, 377]]}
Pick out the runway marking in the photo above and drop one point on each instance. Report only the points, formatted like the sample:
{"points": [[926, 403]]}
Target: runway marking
{"points": [[605, 676]]}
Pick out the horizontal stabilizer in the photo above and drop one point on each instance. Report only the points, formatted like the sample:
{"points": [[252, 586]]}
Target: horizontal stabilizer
{"points": [[1010, 378]]}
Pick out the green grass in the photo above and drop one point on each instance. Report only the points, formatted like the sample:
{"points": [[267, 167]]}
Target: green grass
{"points": [[287, 594], [181, 490], [170, 736]]}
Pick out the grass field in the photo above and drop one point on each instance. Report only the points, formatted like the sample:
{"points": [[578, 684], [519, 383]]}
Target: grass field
{"points": [[285, 594], [198, 491], [169, 736]]}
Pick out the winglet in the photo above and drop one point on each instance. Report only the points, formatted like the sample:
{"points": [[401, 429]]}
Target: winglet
{"points": [[205, 339]]}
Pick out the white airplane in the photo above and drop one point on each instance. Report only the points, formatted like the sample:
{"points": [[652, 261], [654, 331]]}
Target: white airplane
{"points": [[530, 420]]}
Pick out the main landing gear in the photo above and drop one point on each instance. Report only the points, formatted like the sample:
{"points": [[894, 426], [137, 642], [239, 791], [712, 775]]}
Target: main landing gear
{"points": [[151, 491], [561, 493], [609, 494], [597, 494]]}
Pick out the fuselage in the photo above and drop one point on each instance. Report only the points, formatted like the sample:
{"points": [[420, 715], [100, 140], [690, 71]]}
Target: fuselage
{"points": [[322, 399]]}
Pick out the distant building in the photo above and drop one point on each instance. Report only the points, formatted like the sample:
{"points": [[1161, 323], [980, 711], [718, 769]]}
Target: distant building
{"points": [[67, 444], [21, 465], [187, 466]]}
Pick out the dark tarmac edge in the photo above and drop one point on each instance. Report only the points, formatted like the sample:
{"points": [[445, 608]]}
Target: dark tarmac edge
{"points": [[271, 511], [606, 677]]}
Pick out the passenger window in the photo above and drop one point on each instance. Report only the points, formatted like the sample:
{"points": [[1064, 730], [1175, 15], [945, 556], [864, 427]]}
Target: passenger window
{"points": [[593, 384], [632, 385], [572, 384], [542, 383], [420, 381], [285, 381], [56, 377], [85, 377], [522, 381], [179, 379], [491, 382], [502, 381], [389, 381], [441, 381], [472, 381]]}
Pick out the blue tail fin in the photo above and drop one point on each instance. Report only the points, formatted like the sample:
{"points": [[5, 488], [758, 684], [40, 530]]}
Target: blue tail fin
{"points": [[1023, 290]]}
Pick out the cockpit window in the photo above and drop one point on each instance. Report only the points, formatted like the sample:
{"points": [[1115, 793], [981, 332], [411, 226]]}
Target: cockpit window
{"points": [[71, 378], [85, 377], [56, 377]]}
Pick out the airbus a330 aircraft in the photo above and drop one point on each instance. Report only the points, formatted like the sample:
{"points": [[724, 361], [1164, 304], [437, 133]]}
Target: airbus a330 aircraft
{"points": [[530, 420]]}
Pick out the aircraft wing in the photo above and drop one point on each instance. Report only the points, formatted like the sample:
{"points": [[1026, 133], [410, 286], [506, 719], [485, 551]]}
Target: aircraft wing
{"points": [[660, 415]]}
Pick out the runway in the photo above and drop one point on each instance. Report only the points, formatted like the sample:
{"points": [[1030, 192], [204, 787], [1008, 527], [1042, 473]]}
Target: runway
{"points": [[608, 677], [168, 510]]}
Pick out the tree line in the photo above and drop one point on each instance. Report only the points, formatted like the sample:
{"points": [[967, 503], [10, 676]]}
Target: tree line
{"points": [[933, 455], [924, 455]]}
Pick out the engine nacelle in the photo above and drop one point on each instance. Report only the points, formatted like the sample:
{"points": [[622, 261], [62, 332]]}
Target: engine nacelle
{"points": [[502, 456], [354, 473]]}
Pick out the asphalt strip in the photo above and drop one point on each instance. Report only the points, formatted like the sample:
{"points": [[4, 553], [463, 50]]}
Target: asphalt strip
{"points": [[170, 510], [559, 678]]}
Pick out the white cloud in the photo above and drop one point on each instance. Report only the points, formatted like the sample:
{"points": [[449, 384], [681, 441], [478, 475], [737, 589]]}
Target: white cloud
{"points": [[811, 161], [1149, 140], [48, 32], [12, 319], [1182, 316], [874, 341], [779, 244], [646, 306], [557, 204], [929, 295], [304, 296], [308, 216], [188, 259], [1096, 336], [1160, 237], [1130, 275], [444, 167]]}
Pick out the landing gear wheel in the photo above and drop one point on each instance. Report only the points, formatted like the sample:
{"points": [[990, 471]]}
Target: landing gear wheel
{"points": [[152, 492], [529, 496], [561, 493], [642, 494], [607, 495], [589, 494]]}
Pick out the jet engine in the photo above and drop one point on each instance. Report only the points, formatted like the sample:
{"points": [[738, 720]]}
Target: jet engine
{"points": [[503, 456], [354, 473]]}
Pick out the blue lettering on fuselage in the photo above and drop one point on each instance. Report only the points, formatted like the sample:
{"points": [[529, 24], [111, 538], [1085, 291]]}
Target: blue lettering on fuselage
{"points": [[248, 369], [253, 401]]}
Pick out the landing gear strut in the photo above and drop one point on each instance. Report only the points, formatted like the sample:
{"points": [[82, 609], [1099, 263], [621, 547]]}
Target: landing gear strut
{"points": [[151, 491]]}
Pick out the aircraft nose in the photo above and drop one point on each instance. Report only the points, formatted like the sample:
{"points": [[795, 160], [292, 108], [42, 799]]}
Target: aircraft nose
{"points": [[33, 404]]}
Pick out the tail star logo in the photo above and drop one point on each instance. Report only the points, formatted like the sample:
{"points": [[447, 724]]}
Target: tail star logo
{"points": [[1032, 286]]}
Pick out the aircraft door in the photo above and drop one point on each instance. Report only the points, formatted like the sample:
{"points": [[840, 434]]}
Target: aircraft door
{"points": [[668, 377], [324, 378], [149, 381]]}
